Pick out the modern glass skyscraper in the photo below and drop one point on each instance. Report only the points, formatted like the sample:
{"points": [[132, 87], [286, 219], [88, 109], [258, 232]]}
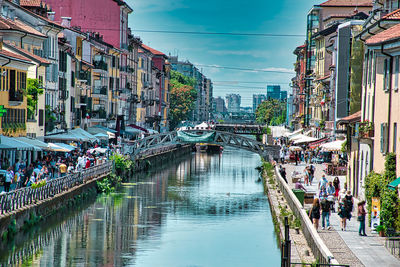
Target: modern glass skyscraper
{"points": [[273, 92]]}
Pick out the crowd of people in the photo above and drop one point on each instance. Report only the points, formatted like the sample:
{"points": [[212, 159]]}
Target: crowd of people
{"points": [[330, 197], [50, 166]]}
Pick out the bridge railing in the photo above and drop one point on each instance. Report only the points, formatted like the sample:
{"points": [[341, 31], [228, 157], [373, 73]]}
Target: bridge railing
{"points": [[20, 198]]}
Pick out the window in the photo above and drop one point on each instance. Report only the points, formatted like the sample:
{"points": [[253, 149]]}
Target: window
{"points": [[387, 65], [396, 71], [384, 138], [394, 137]]}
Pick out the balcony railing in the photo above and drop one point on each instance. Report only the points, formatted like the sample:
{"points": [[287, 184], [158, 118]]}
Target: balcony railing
{"points": [[100, 65], [16, 96], [84, 76], [101, 90], [99, 114]]}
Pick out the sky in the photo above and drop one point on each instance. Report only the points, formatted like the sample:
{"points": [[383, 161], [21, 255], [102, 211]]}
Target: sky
{"points": [[234, 16]]}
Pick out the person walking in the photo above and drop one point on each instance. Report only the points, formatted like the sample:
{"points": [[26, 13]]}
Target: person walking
{"points": [[326, 212], [9, 179], [282, 172], [348, 204], [342, 212], [315, 213], [361, 218], [330, 190], [306, 176], [336, 184], [311, 169]]}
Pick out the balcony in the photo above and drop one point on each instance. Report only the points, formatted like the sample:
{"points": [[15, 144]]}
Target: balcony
{"points": [[63, 94], [100, 65], [124, 68], [99, 115], [100, 92], [84, 76], [16, 96]]}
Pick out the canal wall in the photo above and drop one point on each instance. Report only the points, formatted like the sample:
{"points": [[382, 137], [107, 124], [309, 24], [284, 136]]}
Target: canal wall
{"points": [[317, 245], [300, 251], [11, 222]]}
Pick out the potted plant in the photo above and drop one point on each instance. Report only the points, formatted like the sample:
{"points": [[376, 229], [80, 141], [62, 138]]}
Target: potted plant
{"points": [[380, 229]]}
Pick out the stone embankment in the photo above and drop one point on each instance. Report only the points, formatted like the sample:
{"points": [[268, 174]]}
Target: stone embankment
{"points": [[300, 251], [318, 248]]}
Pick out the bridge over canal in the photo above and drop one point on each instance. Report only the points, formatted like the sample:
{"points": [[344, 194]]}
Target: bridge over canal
{"points": [[220, 137]]}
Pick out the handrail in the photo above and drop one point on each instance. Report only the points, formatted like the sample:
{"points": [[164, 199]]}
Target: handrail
{"points": [[22, 197]]}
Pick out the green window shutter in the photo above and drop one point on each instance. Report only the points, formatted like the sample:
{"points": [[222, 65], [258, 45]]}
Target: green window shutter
{"points": [[382, 134]]}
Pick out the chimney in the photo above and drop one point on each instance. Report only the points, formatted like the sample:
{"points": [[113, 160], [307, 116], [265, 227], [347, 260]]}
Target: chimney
{"points": [[50, 15], [66, 22]]}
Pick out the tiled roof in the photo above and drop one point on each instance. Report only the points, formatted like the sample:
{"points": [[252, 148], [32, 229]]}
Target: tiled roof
{"points": [[395, 15], [355, 3], [384, 36], [13, 55], [351, 118], [17, 25], [152, 50], [29, 54], [323, 78]]}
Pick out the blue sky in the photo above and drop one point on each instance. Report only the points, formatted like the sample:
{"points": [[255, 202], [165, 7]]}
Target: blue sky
{"points": [[254, 16]]}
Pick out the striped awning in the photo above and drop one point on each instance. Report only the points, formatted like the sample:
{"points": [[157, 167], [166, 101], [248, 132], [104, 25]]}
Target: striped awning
{"points": [[318, 142]]}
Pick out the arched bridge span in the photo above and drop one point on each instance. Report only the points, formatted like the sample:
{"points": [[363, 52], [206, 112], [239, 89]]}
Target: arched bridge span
{"points": [[220, 138]]}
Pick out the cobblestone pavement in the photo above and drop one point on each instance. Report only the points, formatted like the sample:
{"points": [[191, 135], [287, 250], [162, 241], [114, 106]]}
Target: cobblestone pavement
{"points": [[347, 246]]}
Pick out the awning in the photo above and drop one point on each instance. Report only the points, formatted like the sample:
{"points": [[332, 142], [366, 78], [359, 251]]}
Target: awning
{"points": [[202, 126], [33, 142], [293, 133], [70, 148], [318, 143], [295, 148], [101, 136], [333, 146], [18, 145], [305, 139], [80, 131], [393, 185], [56, 148], [77, 134], [97, 150], [5, 147]]}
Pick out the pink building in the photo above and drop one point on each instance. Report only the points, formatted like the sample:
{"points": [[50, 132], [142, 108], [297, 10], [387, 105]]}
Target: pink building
{"points": [[108, 17]]}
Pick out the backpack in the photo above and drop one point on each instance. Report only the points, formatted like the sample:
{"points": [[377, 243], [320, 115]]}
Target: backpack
{"points": [[325, 205], [348, 203]]}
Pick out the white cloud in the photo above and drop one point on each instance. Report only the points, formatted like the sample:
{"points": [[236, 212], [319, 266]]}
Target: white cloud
{"points": [[253, 53]]}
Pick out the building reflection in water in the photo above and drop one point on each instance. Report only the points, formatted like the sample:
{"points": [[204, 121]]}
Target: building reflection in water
{"points": [[110, 231]]}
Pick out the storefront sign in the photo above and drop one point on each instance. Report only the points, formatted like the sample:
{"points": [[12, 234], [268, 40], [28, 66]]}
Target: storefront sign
{"points": [[375, 212]]}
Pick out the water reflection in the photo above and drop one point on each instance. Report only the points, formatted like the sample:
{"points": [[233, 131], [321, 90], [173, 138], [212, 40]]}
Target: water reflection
{"points": [[204, 210]]}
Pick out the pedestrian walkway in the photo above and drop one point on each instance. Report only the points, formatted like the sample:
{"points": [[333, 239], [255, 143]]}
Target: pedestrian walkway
{"points": [[370, 250]]}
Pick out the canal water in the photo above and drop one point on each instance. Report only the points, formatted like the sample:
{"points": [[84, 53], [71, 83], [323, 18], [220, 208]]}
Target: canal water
{"points": [[202, 210]]}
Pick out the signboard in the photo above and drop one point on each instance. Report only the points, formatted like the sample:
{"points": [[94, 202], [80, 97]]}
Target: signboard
{"points": [[375, 212], [2, 110]]}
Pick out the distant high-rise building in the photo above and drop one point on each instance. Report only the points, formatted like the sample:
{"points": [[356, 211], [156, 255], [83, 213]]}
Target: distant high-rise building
{"points": [[257, 100], [233, 102], [273, 92], [219, 105]]}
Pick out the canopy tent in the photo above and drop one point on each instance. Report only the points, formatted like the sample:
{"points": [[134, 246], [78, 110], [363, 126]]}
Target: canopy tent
{"points": [[279, 131], [77, 134], [18, 145], [34, 142], [202, 126], [297, 137], [304, 139], [97, 150], [101, 130], [57, 148], [5, 147], [317, 143], [132, 130], [69, 147], [80, 131], [185, 126], [195, 138], [101, 136], [288, 134], [333, 146]]}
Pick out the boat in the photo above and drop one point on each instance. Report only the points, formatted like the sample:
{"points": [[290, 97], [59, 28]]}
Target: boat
{"points": [[206, 147]]}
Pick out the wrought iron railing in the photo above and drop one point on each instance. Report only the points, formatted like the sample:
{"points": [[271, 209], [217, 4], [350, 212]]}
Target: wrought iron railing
{"points": [[20, 198]]}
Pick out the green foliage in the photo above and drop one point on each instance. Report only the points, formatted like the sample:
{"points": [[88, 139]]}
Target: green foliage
{"points": [[356, 65], [389, 209], [11, 230], [38, 184], [271, 112], [183, 96], [50, 119], [379, 228], [390, 167], [32, 92], [122, 163], [108, 184], [344, 146], [376, 186]]}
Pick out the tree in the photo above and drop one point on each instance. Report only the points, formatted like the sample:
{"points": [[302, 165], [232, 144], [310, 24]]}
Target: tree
{"points": [[271, 112], [182, 97]]}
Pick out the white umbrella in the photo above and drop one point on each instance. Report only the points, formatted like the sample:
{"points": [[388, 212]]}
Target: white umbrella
{"points": [[295, 148], [305, 139]]}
